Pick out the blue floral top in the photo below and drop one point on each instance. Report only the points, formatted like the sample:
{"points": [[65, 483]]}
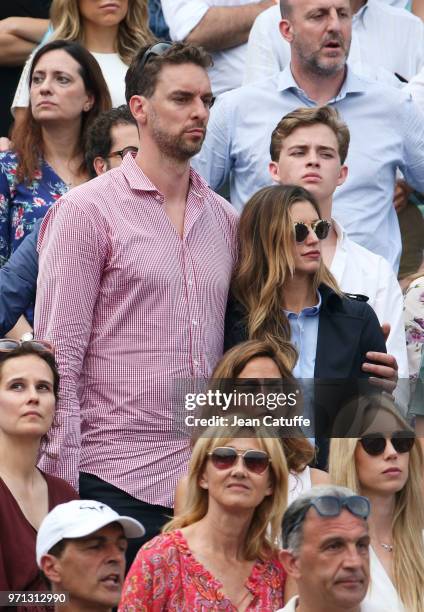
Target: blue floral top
{"points": [[22, 204]]}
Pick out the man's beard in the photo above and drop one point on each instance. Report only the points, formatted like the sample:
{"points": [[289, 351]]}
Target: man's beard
{"points": [[176, 146], [313, 64]]}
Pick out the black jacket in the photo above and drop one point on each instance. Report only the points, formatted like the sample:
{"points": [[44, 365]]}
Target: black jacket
{"points": [[348, 328]]}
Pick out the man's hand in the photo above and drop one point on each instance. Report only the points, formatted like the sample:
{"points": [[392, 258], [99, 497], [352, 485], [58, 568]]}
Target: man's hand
{"points": [[401, 196], [384, 366]]}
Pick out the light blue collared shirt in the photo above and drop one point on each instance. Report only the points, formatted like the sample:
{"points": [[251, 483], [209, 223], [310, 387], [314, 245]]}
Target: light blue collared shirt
{"points": [[387, 132], [304, 336]]}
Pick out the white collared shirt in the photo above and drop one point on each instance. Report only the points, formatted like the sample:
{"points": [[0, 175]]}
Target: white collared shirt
{"points": [[372, 54], [365, 606], [358, 270]]}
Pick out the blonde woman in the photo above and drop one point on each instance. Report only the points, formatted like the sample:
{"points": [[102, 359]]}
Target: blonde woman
{"points": [[386, 465], [259, 361], [221, 552], [113, 32]]}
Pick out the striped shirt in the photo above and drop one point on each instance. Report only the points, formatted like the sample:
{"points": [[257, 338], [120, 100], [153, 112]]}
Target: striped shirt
{"points": [[131, 307]]}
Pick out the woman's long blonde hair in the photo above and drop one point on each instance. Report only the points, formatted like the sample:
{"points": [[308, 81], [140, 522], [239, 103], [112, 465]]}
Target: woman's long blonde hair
{"points": [[408, 517], [133, 33], [266, 260], [265, 527]]}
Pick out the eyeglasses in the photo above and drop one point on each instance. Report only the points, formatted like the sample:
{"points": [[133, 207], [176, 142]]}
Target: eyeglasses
{"points": [[42, 346], [224, 457], [320, 227], [402, 442], [123, 152], [329, 505], [155, 50]]}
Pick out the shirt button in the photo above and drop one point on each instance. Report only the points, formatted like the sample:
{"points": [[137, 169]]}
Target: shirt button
{"points": [[194, 322], [196, 363], [158, 198], [190, 282]]}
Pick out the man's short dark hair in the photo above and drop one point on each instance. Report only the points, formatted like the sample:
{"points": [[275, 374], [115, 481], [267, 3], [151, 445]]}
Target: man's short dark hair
{"points": [[142, 80], [99, 137]]}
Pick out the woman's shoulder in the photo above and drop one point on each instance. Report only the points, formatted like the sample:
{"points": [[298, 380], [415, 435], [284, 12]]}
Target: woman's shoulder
{"points": [[353, 304], [60, 491]]}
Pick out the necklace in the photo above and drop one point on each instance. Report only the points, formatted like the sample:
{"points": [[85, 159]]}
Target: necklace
{"points": [[388, 547]]}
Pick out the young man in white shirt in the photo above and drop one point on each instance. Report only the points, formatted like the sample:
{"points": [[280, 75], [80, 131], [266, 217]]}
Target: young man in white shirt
{"points": [[308, 148]]}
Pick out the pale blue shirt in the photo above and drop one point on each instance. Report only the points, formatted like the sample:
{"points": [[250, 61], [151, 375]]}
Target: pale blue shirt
{"points": [[387, 132], [304, 336]]}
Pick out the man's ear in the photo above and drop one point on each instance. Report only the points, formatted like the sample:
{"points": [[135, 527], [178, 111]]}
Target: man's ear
{"points": [[274, 171], [290, 563], [100, 165], [342, 176], [286, 30], [51, 567], [138, 105]]}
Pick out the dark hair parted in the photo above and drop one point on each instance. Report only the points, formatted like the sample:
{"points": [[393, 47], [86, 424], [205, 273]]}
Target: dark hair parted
{"points": [[99, 137], [285, 8], [25, 349], [27, 135], [305, 117], [266, 260], [142, 80]]}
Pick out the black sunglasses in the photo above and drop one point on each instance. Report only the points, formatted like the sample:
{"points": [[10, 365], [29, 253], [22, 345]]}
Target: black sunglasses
{"points": [[123, 152], [402, 442], [329, 505], [224, 457], [154, 50], [320, 227]]}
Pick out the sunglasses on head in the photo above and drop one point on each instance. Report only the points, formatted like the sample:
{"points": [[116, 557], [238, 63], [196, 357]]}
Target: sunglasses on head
{"points": [[329, 505], [224, 457], [154, 51], [320, 228], [42, 346], [374, 445]]}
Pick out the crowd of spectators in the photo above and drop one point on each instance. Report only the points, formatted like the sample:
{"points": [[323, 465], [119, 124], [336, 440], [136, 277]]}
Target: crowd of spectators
{"points": [[212, 305]]}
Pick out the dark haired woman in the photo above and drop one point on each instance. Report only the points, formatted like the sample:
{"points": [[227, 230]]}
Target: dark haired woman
{"points": [[29, 384], [67, 91], [282, 292]]}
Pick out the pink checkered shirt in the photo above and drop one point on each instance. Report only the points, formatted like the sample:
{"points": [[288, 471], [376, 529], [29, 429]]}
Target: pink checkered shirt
{"points": [[130, 307]]}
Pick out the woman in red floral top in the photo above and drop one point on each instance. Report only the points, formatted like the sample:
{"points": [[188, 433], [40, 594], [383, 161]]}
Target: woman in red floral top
{"points": [[221, 552]]}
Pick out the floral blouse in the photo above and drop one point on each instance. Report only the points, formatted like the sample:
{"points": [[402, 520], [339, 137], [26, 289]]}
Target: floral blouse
{"points": [[165, 576], [22, 204], [414, 325]]}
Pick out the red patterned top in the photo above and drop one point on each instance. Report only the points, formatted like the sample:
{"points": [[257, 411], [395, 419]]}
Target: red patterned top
{"points": [[166, 576]]}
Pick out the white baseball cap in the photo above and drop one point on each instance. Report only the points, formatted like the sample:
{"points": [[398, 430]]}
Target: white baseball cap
{"points": [[79, 518]]}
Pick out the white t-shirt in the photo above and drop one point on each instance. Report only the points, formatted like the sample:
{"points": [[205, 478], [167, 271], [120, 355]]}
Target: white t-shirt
{"points": [[113, 69], [182, 16]]}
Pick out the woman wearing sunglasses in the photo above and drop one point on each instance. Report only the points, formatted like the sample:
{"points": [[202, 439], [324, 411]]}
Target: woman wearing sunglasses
{"points": [[29, 384], [282, 292], [386, 465], [259, 362], [221, 552]]}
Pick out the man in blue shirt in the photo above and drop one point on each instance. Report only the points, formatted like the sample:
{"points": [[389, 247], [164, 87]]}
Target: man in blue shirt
{"points": [[387, 130]]}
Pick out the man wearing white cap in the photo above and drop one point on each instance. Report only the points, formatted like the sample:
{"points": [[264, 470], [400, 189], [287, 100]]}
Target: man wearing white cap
{"points": [[81, 550]]}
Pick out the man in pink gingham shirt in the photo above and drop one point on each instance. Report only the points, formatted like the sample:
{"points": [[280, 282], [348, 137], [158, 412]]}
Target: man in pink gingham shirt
{"points": [[134, 274]]}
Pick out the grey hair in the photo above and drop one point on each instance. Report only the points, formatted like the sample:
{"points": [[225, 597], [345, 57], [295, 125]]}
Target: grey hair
{"points": [[294, 516]]}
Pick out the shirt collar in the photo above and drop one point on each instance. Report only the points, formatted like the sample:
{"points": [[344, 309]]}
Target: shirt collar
{"points": [[138, 181], [359, 15], [309, 311], [352, 84]]}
